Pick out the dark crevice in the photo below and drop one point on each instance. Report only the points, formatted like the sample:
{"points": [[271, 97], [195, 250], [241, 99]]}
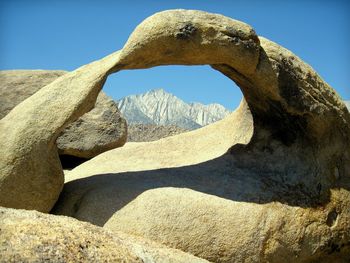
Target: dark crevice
{"points": [[267, 113], [332, 218], [69, 162]]}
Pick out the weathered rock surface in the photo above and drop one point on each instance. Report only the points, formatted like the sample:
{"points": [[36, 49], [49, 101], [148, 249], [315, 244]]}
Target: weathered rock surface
{"points": [[31, 175], [97, 131], [29, 236], [222, 230], [285, 159], [18, 85], [109, 181], [288, 153]]}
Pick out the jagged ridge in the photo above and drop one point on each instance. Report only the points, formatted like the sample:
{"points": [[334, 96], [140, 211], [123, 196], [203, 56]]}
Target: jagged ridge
{"points": [[162, 108]]}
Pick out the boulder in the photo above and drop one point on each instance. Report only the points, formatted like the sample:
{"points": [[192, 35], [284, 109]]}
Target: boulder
{"points": [[18, 85], [30, 236], [97, 131], [288, 145], [222, 230]]}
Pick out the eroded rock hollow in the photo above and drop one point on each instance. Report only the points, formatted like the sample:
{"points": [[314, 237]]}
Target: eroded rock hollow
{"points": [[268, 183]]}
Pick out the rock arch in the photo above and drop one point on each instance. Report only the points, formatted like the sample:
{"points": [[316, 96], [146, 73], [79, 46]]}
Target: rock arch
{"points": [[299, 149]]}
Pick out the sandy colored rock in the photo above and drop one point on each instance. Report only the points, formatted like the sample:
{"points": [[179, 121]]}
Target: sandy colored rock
{"points": [[151, 251], [109, 181], [291, 148], [29, 236], [31, 175], [97, 131], [222, 230]]}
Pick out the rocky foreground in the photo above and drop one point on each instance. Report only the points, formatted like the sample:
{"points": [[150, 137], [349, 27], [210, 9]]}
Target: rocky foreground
{"points": [[269, 183], [29, 236]]}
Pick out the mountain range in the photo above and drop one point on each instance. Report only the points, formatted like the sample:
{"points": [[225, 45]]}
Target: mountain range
{"points": [[162, 108]]}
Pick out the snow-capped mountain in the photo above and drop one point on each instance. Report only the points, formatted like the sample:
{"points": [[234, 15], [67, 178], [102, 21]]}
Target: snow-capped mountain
{"points": [[162, 108]]}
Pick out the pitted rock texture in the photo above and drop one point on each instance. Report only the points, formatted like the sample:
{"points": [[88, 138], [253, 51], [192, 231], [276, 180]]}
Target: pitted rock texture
{"points": [[283, 155], [29, 236], [97, 131]]}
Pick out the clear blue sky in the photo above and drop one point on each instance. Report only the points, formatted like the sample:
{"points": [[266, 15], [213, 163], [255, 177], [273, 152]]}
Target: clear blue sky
{"points": [[63, 34]]}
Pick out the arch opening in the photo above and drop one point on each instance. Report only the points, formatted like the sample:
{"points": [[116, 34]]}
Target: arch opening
{"points": [[167, 100]]}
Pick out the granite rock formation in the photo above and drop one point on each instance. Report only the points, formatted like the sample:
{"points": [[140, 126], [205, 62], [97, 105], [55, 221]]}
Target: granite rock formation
{"points": [[31, 175], [30, 236], [206, 225], [282, 156], [287, 144], [95, 132]]}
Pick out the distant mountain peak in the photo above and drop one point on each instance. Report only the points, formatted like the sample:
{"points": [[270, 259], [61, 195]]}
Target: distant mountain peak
{"points": [[160, 107]]}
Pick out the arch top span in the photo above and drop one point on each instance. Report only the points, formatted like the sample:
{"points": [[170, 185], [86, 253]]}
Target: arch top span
{"points": [[284, 93], [189, 37]]}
